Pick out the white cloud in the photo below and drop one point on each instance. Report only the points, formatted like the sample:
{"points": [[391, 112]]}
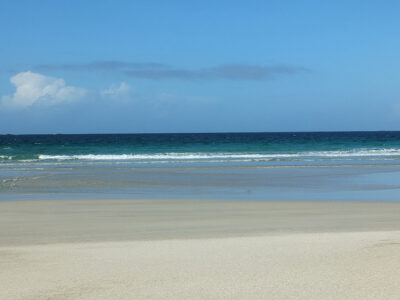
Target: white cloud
{"points": [[34, 88], [124, 90]]}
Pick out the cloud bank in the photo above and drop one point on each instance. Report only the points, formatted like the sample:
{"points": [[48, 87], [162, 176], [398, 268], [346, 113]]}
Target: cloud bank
{"points": [[111, 65], [158, 71], [38, 89], [227, 72], [32, 88]]}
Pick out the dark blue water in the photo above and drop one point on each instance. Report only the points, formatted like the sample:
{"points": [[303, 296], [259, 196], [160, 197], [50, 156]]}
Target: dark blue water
{"points": [[287, 166], [228, 146]]}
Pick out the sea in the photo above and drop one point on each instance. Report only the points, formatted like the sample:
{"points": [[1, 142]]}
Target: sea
{"points": [[311, 166]]}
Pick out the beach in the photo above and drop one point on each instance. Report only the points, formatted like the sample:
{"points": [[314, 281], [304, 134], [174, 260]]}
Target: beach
{"points": [[198, 249], [199, 150], [200, 216]]}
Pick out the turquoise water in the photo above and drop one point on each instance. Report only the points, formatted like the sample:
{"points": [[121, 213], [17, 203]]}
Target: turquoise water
{"points": [[264, 166], [226, 146]]}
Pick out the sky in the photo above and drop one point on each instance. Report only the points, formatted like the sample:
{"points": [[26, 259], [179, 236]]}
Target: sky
{"points": [[198, 66]]}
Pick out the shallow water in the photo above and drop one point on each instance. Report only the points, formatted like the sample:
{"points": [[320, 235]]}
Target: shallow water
{"points": [[261, 166]]}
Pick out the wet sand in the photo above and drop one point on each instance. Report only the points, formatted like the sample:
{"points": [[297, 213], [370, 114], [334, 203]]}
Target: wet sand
{"points": [[181, 249]]}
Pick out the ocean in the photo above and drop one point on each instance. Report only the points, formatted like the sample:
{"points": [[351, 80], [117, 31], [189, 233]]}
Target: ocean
{"points": [[319, 166]]}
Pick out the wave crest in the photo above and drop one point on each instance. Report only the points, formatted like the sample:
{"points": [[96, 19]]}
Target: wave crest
{"points": [[229, 156]]}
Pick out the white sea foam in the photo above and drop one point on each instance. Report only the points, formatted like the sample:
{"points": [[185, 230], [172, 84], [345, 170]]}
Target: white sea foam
{"points": [[364, 153]]}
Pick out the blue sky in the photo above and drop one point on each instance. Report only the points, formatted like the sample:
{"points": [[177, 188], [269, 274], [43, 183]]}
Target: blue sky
{"points": [[204, 66]]}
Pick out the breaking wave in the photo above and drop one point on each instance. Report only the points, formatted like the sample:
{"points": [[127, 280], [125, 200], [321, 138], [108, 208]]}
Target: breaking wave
{"points": [[229, 156]]}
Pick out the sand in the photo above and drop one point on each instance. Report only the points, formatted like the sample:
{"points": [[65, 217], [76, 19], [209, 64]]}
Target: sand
{"points": [[185, 249]]}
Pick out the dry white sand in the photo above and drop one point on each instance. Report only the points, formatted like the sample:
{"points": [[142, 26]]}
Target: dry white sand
{"points": [[165, 249]]}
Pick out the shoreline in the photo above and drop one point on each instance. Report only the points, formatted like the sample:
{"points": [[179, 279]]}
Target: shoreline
{"points": [[30, 222]]}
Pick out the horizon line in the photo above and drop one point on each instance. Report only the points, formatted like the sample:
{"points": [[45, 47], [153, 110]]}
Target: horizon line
{"points": [[201, 132]]}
